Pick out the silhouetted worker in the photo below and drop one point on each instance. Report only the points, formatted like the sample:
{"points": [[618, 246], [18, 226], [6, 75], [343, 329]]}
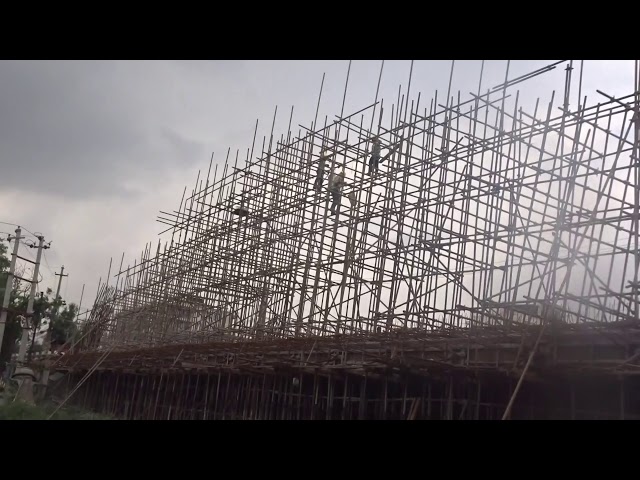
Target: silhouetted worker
{"points": [[336, 183], [241, 211], [322, 164], [353, 199], [375, 156]]}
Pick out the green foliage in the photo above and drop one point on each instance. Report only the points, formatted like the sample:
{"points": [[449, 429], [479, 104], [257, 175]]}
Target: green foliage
{"points": [[4, 269], [4, 260], [63, 326], [22, 411], [12, 327]]}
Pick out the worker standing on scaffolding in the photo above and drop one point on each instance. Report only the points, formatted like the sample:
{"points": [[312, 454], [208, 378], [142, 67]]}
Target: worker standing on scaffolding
{"points": [[336, 183], [322, 164], [375, 156]]}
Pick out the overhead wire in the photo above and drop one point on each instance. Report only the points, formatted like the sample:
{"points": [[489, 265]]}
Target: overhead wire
{"points": [[21, 227], [30, 254], [44, 254]]}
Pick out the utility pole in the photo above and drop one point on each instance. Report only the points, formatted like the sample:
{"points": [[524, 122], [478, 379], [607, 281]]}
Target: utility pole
{"points": [[23, 374], [32, 294], [47, 343], [61, 274], [47, 340], [9, 284]]}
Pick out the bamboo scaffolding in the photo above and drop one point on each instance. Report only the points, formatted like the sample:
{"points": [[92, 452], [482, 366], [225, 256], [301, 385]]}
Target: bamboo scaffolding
{"points": [[483, 222]]}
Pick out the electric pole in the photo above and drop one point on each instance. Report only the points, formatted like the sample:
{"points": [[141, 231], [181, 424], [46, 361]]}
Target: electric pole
{"points": [[22, 373], [61, 274], [47, 339], [9, 285], [32, 294]]}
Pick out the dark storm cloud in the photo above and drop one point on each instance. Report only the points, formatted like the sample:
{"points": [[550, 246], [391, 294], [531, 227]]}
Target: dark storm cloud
{"points": [[78, 128]]}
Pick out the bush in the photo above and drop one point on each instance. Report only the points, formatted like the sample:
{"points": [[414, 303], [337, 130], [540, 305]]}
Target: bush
{"points": [[19, 410]]}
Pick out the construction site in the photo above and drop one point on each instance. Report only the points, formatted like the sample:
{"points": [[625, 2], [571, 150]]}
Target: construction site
{"points": [[455, 258]]}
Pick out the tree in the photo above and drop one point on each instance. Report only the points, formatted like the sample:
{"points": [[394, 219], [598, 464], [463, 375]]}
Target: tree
{"points": [[4, 262], [63, 326], [44, 307], [12, 327]]}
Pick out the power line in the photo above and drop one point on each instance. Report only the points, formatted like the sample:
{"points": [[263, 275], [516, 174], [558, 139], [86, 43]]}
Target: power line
{"points": [[29, 253], [44, 254], [21, 227]]}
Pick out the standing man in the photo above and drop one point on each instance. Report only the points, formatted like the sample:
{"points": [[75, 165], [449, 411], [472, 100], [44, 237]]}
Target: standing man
{"points": [[336, 184], [322, 164], [375, 156]]}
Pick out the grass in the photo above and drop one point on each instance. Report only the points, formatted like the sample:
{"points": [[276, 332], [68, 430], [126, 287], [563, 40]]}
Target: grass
{"points": [[19, 410]]}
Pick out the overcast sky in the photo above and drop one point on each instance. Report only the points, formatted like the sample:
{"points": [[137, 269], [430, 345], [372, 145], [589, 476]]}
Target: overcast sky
{"points": [[90, 151]]}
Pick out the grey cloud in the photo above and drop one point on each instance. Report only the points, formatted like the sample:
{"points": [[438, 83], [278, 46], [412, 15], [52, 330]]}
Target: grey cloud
{"points": [[54, 124], [92, 123]]}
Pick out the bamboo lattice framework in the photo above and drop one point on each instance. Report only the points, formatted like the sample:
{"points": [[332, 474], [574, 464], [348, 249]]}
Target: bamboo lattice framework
{"points": [[481, 214]]}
